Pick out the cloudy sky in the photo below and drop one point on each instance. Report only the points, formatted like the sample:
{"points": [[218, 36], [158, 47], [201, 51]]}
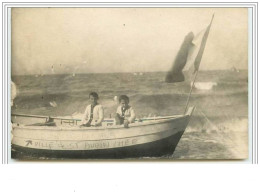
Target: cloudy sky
{"points": [[86, 40]]}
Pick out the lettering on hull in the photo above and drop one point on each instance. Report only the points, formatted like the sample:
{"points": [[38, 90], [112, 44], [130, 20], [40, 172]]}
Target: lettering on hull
{"points": [[90, 144], [80, 145]]}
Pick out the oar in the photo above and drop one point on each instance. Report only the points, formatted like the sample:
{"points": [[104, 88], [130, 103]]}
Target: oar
{"points": [[48, 118], [41, 116]]}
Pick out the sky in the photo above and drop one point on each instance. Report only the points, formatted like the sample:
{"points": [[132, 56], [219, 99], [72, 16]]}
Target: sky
{"points": [[101, 40]]}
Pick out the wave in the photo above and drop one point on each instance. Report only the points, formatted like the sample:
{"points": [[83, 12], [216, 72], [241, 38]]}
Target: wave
{"points": [[149, 94]]}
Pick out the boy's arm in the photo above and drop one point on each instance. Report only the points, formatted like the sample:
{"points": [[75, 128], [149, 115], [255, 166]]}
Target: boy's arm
{"points": [[118, 111], [85, 117], [100, 115], [132, 117]]}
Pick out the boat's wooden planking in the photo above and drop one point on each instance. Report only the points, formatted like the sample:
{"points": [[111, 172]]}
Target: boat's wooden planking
{"points": [[57, 133], [95, 144], [95, 138]]}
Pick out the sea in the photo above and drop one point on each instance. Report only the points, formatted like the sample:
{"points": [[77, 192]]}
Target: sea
{"points": [[218, 129]]}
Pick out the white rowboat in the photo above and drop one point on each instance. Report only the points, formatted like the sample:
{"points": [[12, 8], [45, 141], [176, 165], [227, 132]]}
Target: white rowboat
{"points": [[150, 137]]}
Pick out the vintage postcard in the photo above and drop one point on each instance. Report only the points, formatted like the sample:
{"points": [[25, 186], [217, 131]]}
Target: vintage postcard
{"points": [[129, 83]]}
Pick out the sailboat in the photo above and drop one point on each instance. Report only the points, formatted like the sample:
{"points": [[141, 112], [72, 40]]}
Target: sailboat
{"points": [[146, 137]]}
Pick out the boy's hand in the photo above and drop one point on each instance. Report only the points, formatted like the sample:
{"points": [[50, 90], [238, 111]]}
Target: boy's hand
{"points": [[126, 123], [97, 124], [85, 125]]}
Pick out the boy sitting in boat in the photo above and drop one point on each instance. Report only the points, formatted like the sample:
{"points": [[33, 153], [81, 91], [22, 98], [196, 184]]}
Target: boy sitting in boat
{"points": [[125, 113], [94, 113]]}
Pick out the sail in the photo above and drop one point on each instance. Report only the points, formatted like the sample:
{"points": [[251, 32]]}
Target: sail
{"points": [[194, 50], [202, 47], [190, 55], [176, 74]]}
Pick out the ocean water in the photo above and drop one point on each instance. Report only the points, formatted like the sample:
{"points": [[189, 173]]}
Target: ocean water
{"points": [[218, 128]]}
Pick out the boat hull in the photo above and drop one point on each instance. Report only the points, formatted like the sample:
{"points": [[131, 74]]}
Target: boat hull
{"points": [[149, 139], [158, 148]]}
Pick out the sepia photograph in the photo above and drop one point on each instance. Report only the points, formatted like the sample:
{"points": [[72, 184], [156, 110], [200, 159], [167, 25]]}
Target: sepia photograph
{"points": [[141, 83]]}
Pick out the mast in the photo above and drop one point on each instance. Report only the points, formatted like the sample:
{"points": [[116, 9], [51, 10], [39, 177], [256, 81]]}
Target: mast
{"points": [[188, 100], [198, 60]]}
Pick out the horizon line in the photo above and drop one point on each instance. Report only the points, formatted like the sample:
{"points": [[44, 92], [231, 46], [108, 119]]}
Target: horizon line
{"points": [[39, 74]]}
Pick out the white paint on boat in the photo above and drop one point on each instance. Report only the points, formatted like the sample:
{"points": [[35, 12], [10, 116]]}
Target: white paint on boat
{"points": [[89, 144], [93, 138]]}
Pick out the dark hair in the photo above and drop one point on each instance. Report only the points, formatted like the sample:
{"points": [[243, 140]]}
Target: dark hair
{"points": [[94, 94], [124, 97]]}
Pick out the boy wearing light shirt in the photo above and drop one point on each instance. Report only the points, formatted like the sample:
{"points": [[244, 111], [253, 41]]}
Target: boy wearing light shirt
{"points": [[94, 113], [125, 114]]}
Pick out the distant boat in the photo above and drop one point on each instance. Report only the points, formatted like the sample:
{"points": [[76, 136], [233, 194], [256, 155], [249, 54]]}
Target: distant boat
{"points": [[52, 70], [234, 69], [140, 73], [135, 74], [73, 74]]}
